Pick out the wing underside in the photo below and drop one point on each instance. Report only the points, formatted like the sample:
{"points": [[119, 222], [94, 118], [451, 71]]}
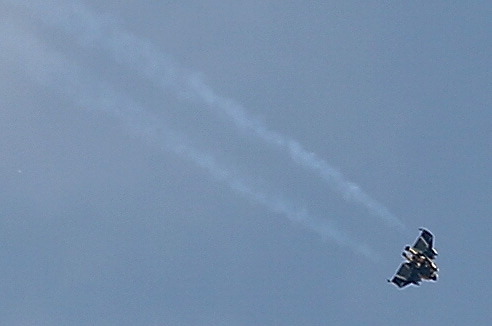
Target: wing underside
{"points": [[403, 275], [424, 242]]}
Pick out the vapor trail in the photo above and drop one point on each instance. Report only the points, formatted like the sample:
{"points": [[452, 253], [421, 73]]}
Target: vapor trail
{"points": [[52, 69], [95, 30]]}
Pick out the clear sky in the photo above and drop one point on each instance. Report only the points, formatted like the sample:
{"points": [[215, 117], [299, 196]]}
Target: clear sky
{"points": [[243, 163]]}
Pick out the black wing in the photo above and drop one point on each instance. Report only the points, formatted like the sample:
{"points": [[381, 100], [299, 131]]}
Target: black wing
{"points": [[405, 275], [425, 243]]}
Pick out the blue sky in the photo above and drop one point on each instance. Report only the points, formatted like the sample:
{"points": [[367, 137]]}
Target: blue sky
{"points": [[211, 163]]}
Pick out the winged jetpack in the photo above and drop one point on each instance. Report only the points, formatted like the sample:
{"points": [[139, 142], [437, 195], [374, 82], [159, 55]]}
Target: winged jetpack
{"points": [[419, 264]]}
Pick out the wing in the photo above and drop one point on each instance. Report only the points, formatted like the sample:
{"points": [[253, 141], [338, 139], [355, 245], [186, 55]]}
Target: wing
{"points": [[424, 244], [404, 276]]}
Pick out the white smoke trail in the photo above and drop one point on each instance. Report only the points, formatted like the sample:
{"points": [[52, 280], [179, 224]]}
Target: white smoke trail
{"points": [[95, 30], [55, 71]]}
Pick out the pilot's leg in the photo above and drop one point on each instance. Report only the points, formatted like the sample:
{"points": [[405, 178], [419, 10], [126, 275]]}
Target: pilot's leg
{"points": [[413, 251], [406, 256]]}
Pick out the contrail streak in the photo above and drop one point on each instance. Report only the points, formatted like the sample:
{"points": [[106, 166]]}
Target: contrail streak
{"points": [[95, 30], [55, 71]]}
